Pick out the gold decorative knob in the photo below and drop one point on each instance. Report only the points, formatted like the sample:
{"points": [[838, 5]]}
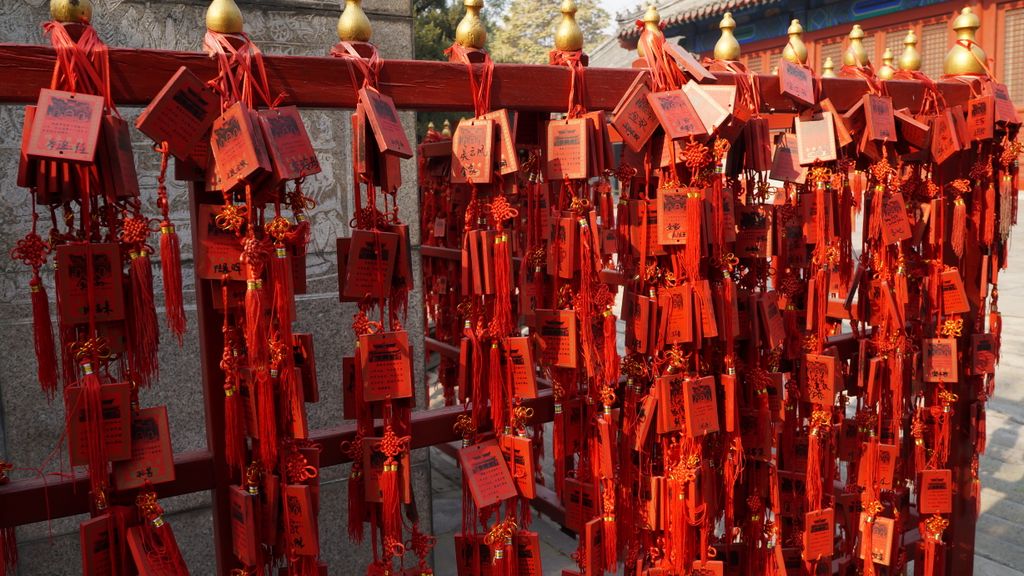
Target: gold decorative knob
{"points": [[727, 47], [71, 11], [961, 60], [353, 25], [471, 32], [446, 129], [856, 55], [911, 58], [223, 16], [828, 69], [795, 50], [568, 36], [886, 71], [651, 22]]}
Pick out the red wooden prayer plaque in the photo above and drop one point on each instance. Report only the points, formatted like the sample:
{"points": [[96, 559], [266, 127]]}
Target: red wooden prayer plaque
{"points": [[633, 117], [301, 538], [473, 152], [820, 373], [676, 114], [244, 527], [939, 356], [797, 82], [935, 492], [152, 459], [384, 366], [96, 537], [387, 126], [709, 568], [671, 406], [373, 467], [522, 368], [711, 113], [786, 162], [484, 467], [371, 264], [120, 159], [505, 123], [672, 222], [528, 553], [77, 281], [518, 453], [881, 123], [66, 126], [557, 330], [819, 534], [115, 428], [181, 113], [881, 538], [288, 143], [701, 404], [238, 149], [567, 149], [816, 140]]}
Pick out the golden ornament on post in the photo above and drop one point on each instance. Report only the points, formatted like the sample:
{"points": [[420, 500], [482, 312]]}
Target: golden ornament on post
{"points": [[727, 47], [446, 129], [651, 22], [961, 60], [886, 71], [795, 50], [568, 36], [223, 16], [470, 32], [856, 55], [911, 58], [353, 25], [71, 11], [828, 69]]}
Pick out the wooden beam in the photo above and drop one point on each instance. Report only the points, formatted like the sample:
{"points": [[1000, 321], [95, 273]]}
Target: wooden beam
{"points": [[324, 82]]}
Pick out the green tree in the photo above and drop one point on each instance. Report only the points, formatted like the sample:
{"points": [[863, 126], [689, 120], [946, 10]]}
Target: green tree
{"points": [[527, 32]]}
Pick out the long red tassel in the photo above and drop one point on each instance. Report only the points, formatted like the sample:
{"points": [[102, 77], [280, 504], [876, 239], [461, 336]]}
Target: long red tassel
{"points": [[956, 238], [266, 417], [170, 267], [496, 387], [694, 241], [391, 520], [91, 399], [42, 332], [280, 274], [144, 327]]}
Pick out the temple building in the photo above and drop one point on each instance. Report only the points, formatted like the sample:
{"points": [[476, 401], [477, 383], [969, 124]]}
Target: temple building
{"points": [[761, 26]]}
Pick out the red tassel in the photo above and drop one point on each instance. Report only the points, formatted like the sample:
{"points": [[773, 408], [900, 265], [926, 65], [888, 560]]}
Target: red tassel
{"points": [[91, 399], [611, 361], [144, 331], [255, 327], [391, 520], [694, 239], [502, 323], [280, 275], [496, 387], [8, 551], [234, 428], [170, 266], [814, 459], [266, 417], [959, 231], [42, 331]]}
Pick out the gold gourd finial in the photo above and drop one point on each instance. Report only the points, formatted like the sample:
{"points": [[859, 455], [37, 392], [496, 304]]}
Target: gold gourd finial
{"points": [[223, 16], [568, 36], [446, 129], [795, 50], [353, 25], [652, 21], [727, 47], [911, 58], [71, 11], [856, 55], [471, 32], [960, 60], [828, 69], [886, 71]]}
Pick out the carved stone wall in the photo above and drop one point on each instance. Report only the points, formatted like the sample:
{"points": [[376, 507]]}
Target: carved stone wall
{"points": [[31, 430]]}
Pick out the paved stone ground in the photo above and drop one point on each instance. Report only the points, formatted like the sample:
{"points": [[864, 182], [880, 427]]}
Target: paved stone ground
{"points": [[1000, 534]]}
